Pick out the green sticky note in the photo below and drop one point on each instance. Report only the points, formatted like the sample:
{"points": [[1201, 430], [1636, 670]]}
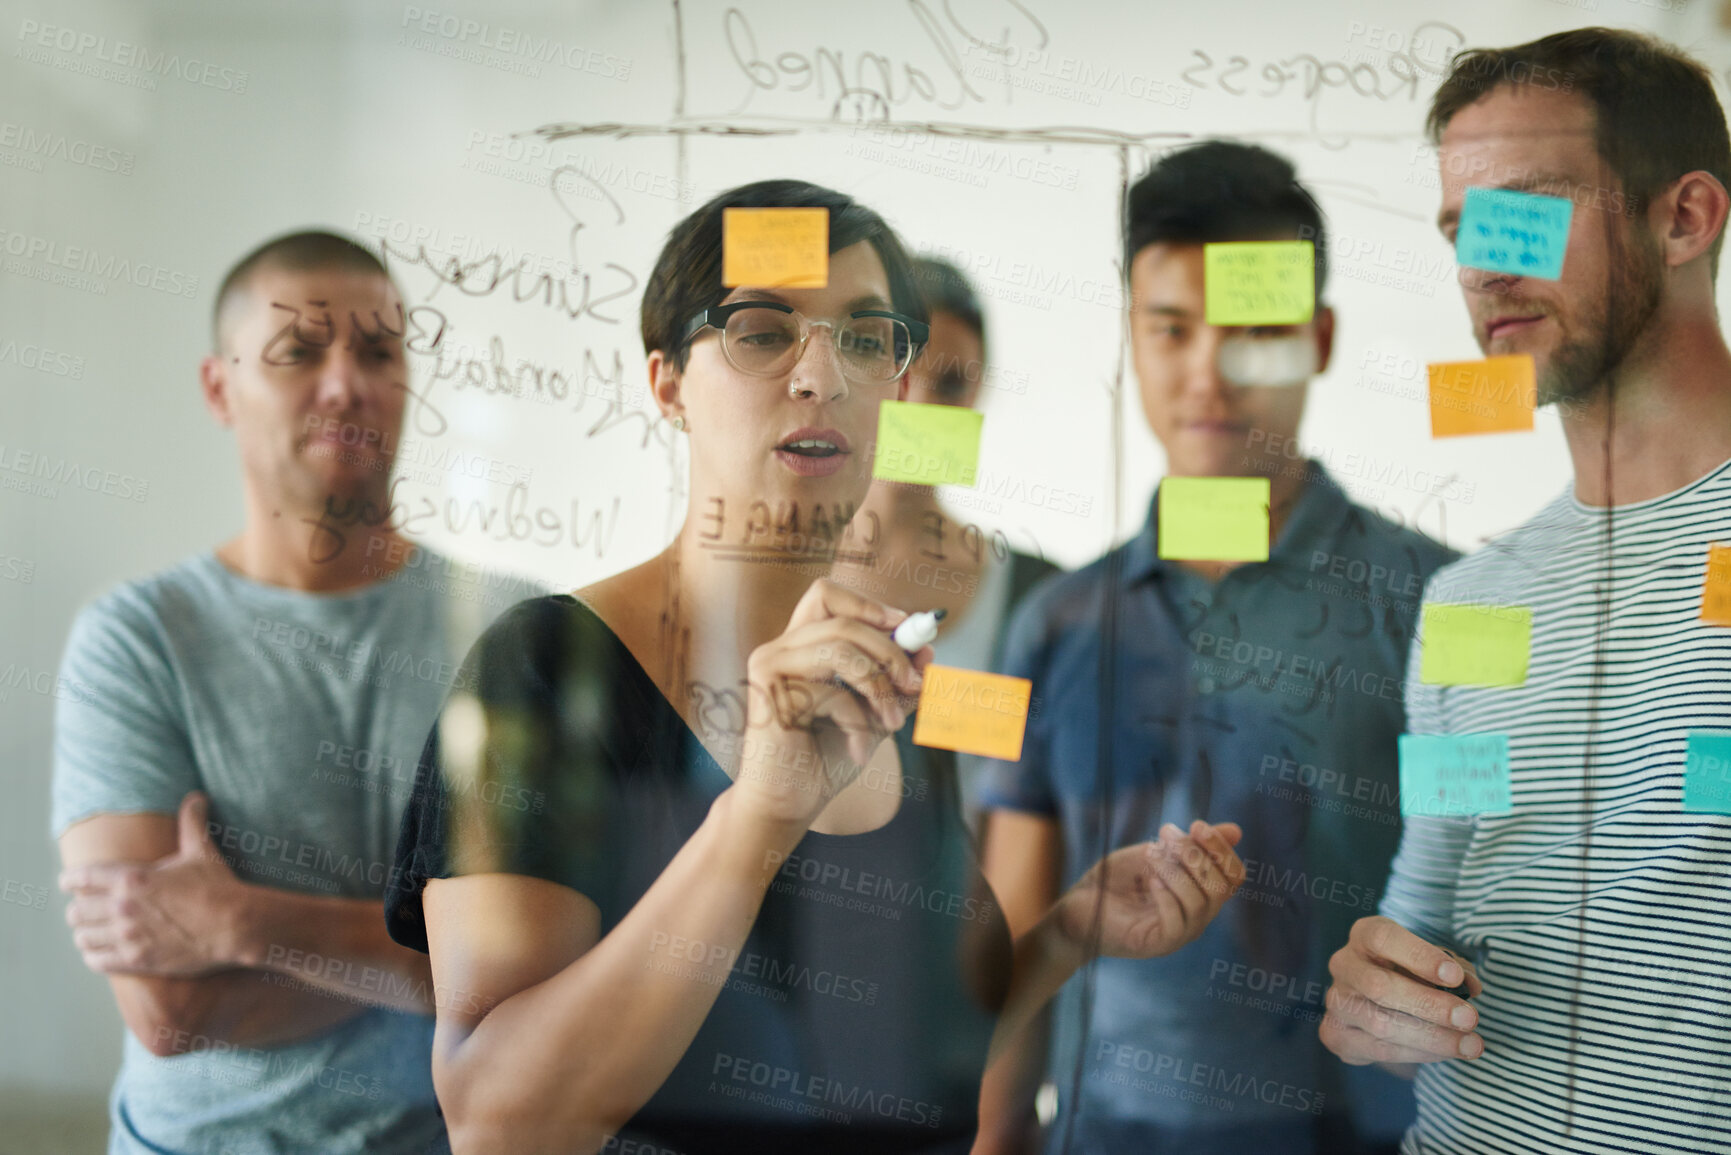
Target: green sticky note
{"points": [[1467, 645], [927, 444], [1444, 775], [1259, 282], [1214, 518], [1707, 773]]}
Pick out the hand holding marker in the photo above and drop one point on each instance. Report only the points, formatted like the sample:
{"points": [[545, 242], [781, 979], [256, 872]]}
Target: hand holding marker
{"points": [[915, 632]]}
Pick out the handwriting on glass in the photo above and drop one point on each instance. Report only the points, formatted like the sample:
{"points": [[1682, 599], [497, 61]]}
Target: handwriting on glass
{"points": [[873, 82], [1426, 53], [510, 522]]}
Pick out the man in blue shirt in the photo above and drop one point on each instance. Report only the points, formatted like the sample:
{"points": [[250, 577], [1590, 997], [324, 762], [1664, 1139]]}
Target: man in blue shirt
{"points": [[1267, 693]]}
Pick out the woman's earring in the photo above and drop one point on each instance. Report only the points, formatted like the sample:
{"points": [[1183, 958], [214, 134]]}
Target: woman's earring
{"points": [[679, 424]]}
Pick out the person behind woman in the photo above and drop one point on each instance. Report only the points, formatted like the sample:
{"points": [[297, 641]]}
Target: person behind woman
{"points": [[684, 880], [922, 556], [926, 557]]}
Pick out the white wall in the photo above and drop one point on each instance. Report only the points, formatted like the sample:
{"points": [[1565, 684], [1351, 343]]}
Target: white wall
{"points": [[353, 117]]}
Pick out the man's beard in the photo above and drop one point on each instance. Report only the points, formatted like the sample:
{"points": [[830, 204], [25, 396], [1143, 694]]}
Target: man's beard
{"points": [[1580, 367], [305, 487]]}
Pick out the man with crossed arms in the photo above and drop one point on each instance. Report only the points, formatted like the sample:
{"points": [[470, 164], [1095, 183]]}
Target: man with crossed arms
{"points": [[227, 794]]}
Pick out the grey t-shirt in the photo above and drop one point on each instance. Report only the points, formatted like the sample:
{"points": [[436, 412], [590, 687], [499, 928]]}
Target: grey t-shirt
{"points": [[303, 717]]}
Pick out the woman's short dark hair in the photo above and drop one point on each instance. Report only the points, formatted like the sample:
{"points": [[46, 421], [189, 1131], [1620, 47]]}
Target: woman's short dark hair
{"points": [[687, 276], [1657, 114], [946, 289], [1221, 190]]}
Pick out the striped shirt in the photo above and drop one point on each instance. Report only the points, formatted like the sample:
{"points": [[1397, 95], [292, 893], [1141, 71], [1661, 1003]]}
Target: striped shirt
{"points": [[1597, 910]]}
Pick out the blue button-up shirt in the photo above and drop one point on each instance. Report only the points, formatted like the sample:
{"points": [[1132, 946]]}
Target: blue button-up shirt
{"points": [[1272, 698]]}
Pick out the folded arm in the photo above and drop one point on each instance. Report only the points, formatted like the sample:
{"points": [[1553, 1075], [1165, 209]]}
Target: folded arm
{"points": [[196, 956]]}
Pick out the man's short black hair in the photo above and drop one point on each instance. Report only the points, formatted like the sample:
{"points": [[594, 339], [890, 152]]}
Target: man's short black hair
{"points": [[299, 252], [687, 275], [946, 289], [1220, 190]]}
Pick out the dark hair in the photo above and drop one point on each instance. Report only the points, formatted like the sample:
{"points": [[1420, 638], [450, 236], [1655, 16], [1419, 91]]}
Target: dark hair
{"points": [[1657, 115], [946, 289], [687, 276], [294, 252], [1220, 190]]}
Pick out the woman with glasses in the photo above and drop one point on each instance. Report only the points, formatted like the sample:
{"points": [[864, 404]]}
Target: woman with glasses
{"points": [[685, 881]]}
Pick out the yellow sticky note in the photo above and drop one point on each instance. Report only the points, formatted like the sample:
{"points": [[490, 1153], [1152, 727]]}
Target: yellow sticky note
{"points": [[1214, 518], [927, 444], [1716, 591], [1494, 395], [1467, 645], [775, 248], [1258, 282], [974, 713]]}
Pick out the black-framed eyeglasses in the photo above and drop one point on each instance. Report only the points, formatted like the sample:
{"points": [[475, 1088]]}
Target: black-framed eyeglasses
{"points": [[766, 339]]}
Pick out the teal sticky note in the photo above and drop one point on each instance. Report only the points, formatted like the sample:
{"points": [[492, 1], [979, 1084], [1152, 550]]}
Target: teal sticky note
{"points": [[1707, 773], [1450, 775], [1504, 231]]}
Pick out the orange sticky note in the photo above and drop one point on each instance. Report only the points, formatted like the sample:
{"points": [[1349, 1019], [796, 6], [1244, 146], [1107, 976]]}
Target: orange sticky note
{"points": [[1716, 592], [1495, 395], [775, 248], [974, 713]]}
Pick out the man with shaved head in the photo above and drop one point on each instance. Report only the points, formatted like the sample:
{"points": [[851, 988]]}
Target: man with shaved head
{"points": [[229, 779]]}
